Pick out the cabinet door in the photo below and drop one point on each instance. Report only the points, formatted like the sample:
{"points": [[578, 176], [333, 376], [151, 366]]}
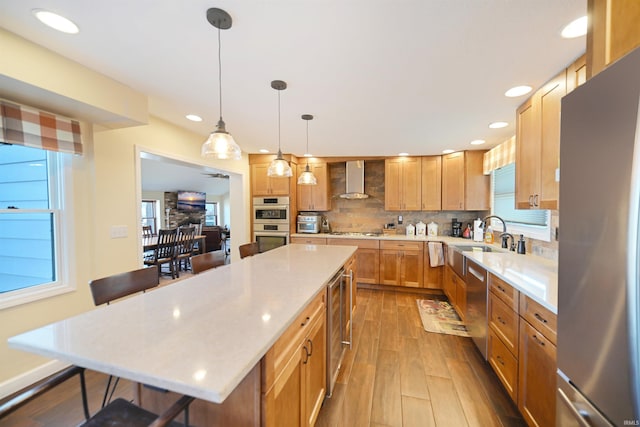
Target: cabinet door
{"points": [[368, 266], [390, 267], [392, 185], [431, 183], [537, 377], [314, 197], [314, 371], [283, 402], [527, 155], [577, 73], [411, 268], [476, 184], [461, 296], [504, 363], [411, 183], [449, 286], [260, 185], [432, 275], [550, 100], [453, 181]]}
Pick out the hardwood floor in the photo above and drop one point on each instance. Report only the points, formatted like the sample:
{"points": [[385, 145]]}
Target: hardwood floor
{"points": [[396, 374]]}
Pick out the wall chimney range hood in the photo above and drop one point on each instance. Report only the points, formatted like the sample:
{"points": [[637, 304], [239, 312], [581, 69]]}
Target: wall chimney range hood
{"points": [[355, 180]]}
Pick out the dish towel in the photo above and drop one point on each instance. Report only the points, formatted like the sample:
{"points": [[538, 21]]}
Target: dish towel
{"points": [[436, 254]]}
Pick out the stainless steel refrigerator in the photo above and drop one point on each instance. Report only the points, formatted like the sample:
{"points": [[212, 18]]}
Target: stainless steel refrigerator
{"points": [[598, 304]]}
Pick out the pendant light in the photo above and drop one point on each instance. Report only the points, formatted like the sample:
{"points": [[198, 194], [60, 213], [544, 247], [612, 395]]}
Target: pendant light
{"points": [[307, 177], [220, 143], [279, 168]]}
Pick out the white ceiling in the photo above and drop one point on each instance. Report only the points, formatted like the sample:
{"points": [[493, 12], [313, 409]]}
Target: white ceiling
{"points": [[379, 76], [163, 174]]}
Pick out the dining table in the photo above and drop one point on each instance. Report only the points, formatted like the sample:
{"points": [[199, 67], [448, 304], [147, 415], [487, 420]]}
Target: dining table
{"points": [[149, 243]]}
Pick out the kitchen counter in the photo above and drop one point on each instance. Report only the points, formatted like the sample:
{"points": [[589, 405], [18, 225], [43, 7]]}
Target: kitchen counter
{"points": [[202, 335], [535, 276]]}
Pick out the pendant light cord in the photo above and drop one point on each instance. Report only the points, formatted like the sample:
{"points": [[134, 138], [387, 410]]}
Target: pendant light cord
{"points": [[307, 143], [220, 72], [279, 121]]}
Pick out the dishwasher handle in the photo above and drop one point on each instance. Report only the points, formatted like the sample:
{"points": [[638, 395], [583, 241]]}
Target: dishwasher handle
{"points": [[350, 277]]}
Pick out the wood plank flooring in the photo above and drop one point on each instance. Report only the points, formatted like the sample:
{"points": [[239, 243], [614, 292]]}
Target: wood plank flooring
{"points": [[396, 374], [399, 375]]}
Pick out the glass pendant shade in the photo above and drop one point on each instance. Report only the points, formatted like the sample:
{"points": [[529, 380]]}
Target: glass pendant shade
{"points": [[307, 177], [279, 167], [221, 145]]}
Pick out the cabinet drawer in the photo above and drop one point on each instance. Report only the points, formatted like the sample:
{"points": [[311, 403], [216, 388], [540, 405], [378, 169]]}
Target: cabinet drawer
{"points": [[399, 245], [504, 364], [539, 317], [504, 291], [504, 322], [276, 358], [309, 240], [360, 243]]}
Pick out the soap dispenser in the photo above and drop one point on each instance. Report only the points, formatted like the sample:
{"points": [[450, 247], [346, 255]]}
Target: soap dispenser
{"points": [[521, 247]]}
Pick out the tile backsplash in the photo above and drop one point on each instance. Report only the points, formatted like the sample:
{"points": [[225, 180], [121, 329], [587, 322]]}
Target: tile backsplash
{"points": [[369, 215]]}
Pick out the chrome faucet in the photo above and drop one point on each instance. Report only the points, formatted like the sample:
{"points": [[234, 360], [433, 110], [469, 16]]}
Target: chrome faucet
{"points": [[504, 224]]}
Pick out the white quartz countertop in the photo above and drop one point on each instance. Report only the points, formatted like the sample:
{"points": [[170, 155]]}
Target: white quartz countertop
{"points": [[537, 277], [202, 335]]}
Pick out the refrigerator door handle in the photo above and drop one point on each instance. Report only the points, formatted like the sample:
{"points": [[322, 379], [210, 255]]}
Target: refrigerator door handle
{"points": [[633, 279], [579, 417]]}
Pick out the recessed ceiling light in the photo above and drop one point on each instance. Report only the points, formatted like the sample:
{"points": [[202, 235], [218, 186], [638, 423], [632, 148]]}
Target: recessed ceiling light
{"points": [[308, 155], [477, 142], [193, 118], [498, 125], [264, 150], [403, 154], [55, 21], [575, 28], [448, 151], [517, 91]]}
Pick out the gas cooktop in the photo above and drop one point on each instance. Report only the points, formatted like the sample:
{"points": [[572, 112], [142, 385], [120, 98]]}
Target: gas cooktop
{"points": [[352, 233]]}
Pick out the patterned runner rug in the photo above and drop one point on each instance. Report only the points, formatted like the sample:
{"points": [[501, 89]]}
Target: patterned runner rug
{"points": [[440, 317]]}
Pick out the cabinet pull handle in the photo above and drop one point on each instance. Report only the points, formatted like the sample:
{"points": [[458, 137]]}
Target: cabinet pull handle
{"points": [[501, 321], [535, 338], [530, 200], [499, 359], [501, 289], [307, 354], [305, 322], [310, 347], [535, 200], [540, 318]]}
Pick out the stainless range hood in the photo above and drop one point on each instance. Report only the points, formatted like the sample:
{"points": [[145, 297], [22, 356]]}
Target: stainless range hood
{"points": [[355, 181]]}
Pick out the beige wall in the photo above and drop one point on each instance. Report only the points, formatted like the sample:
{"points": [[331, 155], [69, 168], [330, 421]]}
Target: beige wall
{"points": [[105, 183]]}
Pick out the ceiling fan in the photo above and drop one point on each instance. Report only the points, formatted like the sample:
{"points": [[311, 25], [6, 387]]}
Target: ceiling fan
{"points": [[217, 175]]}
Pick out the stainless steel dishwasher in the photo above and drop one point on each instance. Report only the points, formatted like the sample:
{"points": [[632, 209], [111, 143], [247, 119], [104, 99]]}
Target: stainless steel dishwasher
{"points": [[477, 296]]}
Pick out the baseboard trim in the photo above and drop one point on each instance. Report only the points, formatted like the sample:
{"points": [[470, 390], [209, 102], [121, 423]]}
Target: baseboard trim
{"points": [[25, 379]]}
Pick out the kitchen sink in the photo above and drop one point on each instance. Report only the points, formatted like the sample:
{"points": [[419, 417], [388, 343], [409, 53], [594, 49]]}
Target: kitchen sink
{"points": [[474, 248]]}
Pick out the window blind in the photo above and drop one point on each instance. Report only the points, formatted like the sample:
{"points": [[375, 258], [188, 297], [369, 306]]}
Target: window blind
{"points": [[504, 192]]}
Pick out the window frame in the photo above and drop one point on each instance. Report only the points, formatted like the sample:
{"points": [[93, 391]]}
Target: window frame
{"points": [[536, 232], [216, 207], [61, 206]]}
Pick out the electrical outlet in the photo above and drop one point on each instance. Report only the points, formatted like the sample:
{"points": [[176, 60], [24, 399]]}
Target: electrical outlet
{"points": [[118, 231], [399, 219]]}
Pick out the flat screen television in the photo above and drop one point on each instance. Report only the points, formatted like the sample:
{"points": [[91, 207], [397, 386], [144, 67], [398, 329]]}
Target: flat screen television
{"points": [[191, 201]]}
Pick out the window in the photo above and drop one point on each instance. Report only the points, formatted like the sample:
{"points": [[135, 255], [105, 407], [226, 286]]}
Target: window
{"points": [[150, 214], [532, 223], [30, 224], [211, 214]]}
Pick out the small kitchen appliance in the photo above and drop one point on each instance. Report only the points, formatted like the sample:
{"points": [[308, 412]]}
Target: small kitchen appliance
{"points": [[309, 222], [456, 228]]}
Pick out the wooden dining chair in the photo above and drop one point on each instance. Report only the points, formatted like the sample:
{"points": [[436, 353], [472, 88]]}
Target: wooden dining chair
{"points": [[205, 261], [120, 412], [165, 251], [249, 249], [184, 248], [147, 231]]}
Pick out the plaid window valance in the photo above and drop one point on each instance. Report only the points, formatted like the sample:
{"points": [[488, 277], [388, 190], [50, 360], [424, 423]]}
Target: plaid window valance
{"points": [[499, 156], [30, 127]]}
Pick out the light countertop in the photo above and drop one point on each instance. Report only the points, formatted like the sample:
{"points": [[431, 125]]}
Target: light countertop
{"points": [[199, 336], [537, 277]]}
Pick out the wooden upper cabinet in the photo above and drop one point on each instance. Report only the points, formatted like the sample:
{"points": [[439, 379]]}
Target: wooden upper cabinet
{"points": [[263, 185], [577, 73], [464, 187], [432, 183], [538, 146], [614, 32], [403, 184], [314, 197]]}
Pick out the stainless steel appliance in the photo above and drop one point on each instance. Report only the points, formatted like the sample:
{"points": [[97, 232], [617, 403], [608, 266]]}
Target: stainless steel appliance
{"points": [[339, 333], [476, 309], [598, 295], [271, 222], [309, 222], [456, 228]]}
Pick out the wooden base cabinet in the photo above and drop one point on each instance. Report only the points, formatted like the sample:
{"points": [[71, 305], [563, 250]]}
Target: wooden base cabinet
{"points": [[294, 370], [456, 290], [367, 265], [401, 263]]}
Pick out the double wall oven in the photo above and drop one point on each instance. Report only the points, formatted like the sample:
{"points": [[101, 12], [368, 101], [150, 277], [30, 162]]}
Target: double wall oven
{"points": [[271, 218]]}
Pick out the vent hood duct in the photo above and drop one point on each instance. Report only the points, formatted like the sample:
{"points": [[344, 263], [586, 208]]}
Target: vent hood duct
{"points": [[355, 181]]}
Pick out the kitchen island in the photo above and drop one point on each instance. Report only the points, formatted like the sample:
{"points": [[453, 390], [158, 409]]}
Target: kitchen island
{"points": [[200, 336]]}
